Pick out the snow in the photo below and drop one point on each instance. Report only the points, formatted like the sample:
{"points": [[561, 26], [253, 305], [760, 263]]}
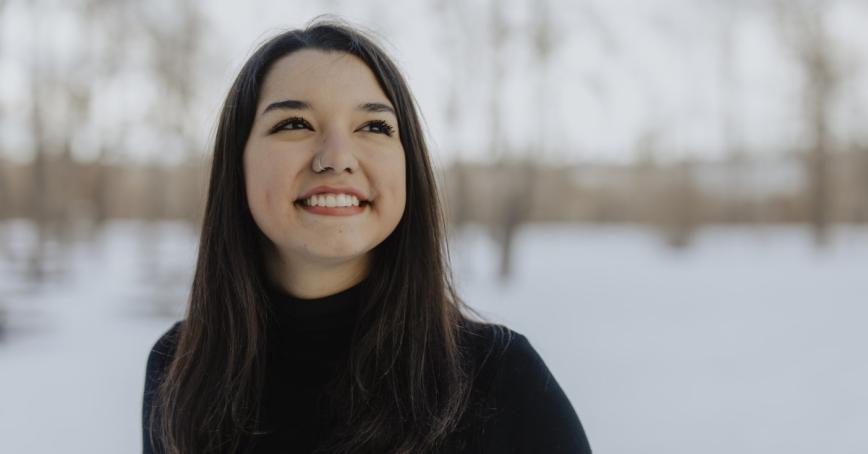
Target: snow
{"points": [[751, 341]]}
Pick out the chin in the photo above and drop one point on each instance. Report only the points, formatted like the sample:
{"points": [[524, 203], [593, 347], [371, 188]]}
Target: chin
{"points": [[337, 255]]}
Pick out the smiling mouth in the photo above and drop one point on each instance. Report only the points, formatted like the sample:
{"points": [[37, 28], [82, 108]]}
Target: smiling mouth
{"points": [[303, 204], [333, 199], [338, 211]]}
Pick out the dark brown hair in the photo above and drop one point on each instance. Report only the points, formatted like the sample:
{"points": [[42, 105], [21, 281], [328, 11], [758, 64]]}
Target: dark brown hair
{"points": [[406, 383]]}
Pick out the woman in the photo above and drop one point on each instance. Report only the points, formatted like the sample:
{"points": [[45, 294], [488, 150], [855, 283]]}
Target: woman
{"points": [[322, 316]]}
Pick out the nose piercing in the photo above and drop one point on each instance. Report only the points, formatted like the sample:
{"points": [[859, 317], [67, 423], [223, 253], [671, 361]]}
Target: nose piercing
{"points": [[318, 167]]}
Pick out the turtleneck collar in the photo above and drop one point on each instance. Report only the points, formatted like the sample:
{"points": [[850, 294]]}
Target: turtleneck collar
{"points": [[310, 338], [315, 315]]}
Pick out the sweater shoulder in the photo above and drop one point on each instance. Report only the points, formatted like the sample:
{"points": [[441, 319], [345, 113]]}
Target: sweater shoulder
{"points": [[528, 410], [487, 341], [161, 355], [508, 350], [158, 360], [491, 348]]}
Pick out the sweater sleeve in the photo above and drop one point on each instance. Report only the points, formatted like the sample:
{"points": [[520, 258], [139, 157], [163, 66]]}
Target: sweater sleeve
{"points": [[535, 415], [158, 360]]}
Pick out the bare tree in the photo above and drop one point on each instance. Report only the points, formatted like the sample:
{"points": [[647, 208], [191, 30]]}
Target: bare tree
{"points": [[804, 29], [498, 34], [738, 201], [862, 190], [453, 16], [175, 59], [680, 202], [520, 191], [108, 29], [4, 191], [39, 178], [503, 227]]}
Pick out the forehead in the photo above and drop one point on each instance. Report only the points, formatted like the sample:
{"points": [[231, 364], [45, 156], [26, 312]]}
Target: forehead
{"points": [[318, 76]]}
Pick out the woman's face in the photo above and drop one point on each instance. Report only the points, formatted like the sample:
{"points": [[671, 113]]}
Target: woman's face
{"points": [[324, 110]]}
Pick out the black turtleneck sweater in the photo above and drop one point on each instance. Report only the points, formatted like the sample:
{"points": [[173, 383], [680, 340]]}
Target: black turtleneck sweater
{"points": [[525, 409]]}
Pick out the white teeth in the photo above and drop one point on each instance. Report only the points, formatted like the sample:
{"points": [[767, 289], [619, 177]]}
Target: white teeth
{"points": [[332, 200]]}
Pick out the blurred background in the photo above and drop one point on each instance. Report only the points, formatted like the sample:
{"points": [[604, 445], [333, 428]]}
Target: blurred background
{"points": [[668, 197]]}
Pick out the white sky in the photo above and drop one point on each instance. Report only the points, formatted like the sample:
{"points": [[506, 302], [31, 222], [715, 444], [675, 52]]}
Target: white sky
{"points": [[622, 72]]}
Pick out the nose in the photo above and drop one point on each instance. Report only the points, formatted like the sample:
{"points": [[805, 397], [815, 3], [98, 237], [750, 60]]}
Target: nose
{"points": [[336, 153]]}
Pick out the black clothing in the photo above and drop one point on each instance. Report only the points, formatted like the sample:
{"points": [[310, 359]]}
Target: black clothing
{"points": [[524, 408]]}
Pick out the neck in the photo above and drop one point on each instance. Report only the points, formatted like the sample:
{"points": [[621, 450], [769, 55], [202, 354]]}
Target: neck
{"points": [[311, 280]]}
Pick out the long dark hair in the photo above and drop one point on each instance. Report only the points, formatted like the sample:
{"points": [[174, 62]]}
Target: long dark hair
{"points": [[406, 384]]}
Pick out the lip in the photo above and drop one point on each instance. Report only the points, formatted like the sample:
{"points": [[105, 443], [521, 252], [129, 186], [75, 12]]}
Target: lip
{"points": [[334, 190]]}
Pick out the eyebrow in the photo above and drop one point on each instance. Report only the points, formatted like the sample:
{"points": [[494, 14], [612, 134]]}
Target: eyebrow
{"points": [[377, 107], [289, 104], [294, 104]]}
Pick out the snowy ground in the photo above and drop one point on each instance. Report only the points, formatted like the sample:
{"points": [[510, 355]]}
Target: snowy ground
{"points": [[750, 342]]}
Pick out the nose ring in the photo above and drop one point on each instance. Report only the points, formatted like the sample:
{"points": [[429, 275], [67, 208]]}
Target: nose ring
{"points": [[318, 167]]}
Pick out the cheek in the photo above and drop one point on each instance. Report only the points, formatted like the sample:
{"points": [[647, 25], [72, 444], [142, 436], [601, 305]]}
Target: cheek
{"points": [[388, 174], [257, 181], [401, 190], [261, 195], [401, 183]]}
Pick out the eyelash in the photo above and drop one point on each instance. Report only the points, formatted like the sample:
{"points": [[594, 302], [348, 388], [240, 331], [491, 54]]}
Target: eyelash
{"points": [[293, 120], [385, 128]]}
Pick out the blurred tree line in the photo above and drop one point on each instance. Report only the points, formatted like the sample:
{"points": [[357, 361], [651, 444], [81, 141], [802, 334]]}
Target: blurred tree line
{"points": [[103, 77], [95, 79]]}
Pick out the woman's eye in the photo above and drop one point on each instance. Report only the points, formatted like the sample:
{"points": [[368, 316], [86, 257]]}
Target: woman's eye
{"points": [[380, 127], [290, 124]]}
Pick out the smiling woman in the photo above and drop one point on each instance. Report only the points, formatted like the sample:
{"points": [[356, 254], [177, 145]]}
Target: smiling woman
{"points": [[322, 317], [327, 134]]}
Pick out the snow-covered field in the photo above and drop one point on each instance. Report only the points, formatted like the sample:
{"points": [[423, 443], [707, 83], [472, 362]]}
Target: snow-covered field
{"points": [[750, 342]]}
